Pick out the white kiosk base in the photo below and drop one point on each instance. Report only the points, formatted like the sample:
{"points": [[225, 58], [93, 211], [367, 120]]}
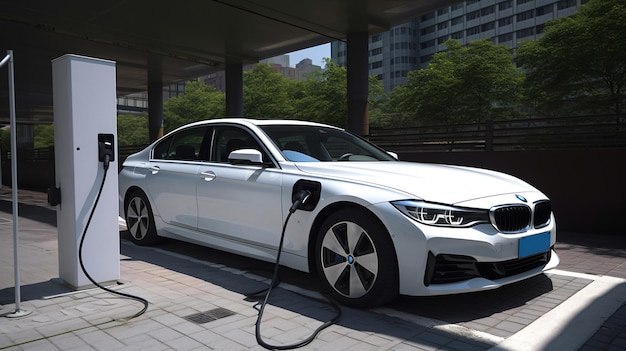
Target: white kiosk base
{"points": [[84, 92]]}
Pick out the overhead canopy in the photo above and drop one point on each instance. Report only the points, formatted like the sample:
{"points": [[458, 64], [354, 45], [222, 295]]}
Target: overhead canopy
{"points": [[184, 39]]}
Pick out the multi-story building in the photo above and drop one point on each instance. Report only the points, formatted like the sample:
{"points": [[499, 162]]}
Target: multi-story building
{"points": [[411, 46]]}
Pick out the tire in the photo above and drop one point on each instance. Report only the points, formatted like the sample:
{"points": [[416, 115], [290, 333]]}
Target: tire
{"points": [[139, 219], [355, 259]]}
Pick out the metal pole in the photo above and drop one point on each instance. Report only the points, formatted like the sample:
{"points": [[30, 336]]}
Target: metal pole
{"points": [[18, 311]]}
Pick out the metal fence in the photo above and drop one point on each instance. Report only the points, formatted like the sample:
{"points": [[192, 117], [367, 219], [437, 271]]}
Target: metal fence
{"points": [[562, 133]]}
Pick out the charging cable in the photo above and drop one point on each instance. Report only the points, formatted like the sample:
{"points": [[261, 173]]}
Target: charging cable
{"points": [[301, 199], [105, 164]]}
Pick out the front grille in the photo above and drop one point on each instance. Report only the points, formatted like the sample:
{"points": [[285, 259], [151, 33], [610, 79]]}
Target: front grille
{"points": [[511, 218], [513, 267], [444, 269], [543, 210]]}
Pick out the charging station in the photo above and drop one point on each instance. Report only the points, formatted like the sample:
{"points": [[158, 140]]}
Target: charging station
{"points": [[85, 128]]}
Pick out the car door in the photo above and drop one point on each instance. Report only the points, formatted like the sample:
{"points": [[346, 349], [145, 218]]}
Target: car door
{"points": [[238, 202], [172, 174]]}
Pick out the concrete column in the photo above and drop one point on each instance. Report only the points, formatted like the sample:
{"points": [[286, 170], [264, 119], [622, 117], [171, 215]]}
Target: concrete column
{"points": [[234, 89], [155, 101], [357, 67]]}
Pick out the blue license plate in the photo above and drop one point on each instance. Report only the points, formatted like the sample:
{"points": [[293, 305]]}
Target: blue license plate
{"points": [[534, 244]]}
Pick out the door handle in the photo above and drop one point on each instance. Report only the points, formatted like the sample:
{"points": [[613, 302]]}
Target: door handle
{"points": [[154, 169], [208, 175]]}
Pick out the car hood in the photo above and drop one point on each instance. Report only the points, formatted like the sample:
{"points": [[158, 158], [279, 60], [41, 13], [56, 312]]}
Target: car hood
{"points": [[430, 182]]}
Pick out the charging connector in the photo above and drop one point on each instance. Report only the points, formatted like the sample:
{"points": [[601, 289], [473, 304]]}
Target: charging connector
{"points": [[106, 150], [314, 190], [301, 199]]}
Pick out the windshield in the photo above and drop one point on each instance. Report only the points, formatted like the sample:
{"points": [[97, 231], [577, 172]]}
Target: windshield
{"points": [[321, 144]]}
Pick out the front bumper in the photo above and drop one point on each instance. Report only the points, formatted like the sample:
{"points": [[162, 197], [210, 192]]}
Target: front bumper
{"points": [[446, 269]]}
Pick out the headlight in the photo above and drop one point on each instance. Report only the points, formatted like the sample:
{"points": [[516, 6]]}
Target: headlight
{"points": [[442, 215]]}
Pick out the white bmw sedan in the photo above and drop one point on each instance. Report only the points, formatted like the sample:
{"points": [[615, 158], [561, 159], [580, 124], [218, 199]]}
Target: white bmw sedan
{"points": [[372, 227]]}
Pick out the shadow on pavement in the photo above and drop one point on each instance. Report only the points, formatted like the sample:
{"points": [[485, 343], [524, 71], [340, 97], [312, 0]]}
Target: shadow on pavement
{"points": [[32, 212], [36, 291]]}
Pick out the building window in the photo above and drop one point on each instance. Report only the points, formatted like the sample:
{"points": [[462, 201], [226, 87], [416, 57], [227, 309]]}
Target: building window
{"points": [[443, 39], [376, 38], [505, 5], [376, 51], [457, 6], [526, 15], [442, 25], [519, 2], [456, 20], [442, 11], [488, 26], [377, 64], [543, 10], [488, 10], [457, 35], [540, 28], [505, 37], [473, 15], [427, 30], [428, 44], [505, 21], [523, 33], [472, 31], [563, 4]]}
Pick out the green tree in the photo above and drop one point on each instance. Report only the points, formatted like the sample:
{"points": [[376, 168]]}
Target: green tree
{"points": [[132, 130], [579, 64], [376, 97], [43, 135], [199, 102], [324, 96], [464, 84], [266, 93]]}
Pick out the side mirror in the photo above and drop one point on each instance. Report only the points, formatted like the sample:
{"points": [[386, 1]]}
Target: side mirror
{"points": [[246, 156]]}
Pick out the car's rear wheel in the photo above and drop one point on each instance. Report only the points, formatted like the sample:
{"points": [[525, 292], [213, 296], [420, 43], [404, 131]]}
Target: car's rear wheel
{"points": [[355, 259], [140, 220]]}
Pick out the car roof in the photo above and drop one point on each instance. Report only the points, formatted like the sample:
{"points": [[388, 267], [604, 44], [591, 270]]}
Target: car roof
{"points": [[260, 122]]}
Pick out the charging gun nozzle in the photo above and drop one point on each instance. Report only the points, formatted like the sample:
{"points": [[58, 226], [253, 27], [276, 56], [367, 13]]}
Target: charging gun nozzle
{"points": [[301, 199]]}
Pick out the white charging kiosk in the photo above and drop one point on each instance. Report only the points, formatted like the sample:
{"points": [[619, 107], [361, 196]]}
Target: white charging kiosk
{"points": [[85, 107]]}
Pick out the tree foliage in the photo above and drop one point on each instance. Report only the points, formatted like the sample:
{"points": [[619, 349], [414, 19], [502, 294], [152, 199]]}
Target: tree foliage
{"points": [[199, 102], [132, 130], [324, 96], [470, 83], [265, 93], [579, 64], [44, 135]]}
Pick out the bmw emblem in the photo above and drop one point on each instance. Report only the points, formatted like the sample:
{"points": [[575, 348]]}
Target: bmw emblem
{"points": [[521, 198]]}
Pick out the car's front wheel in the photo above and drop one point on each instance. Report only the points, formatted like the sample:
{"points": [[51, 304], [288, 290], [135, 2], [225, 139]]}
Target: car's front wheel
{"points": [[355, 259], [140, 220]]}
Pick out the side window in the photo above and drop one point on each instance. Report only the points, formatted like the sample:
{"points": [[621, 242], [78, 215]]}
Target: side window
{"points": [[160, 151], [229, 139], [186, 145]]}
